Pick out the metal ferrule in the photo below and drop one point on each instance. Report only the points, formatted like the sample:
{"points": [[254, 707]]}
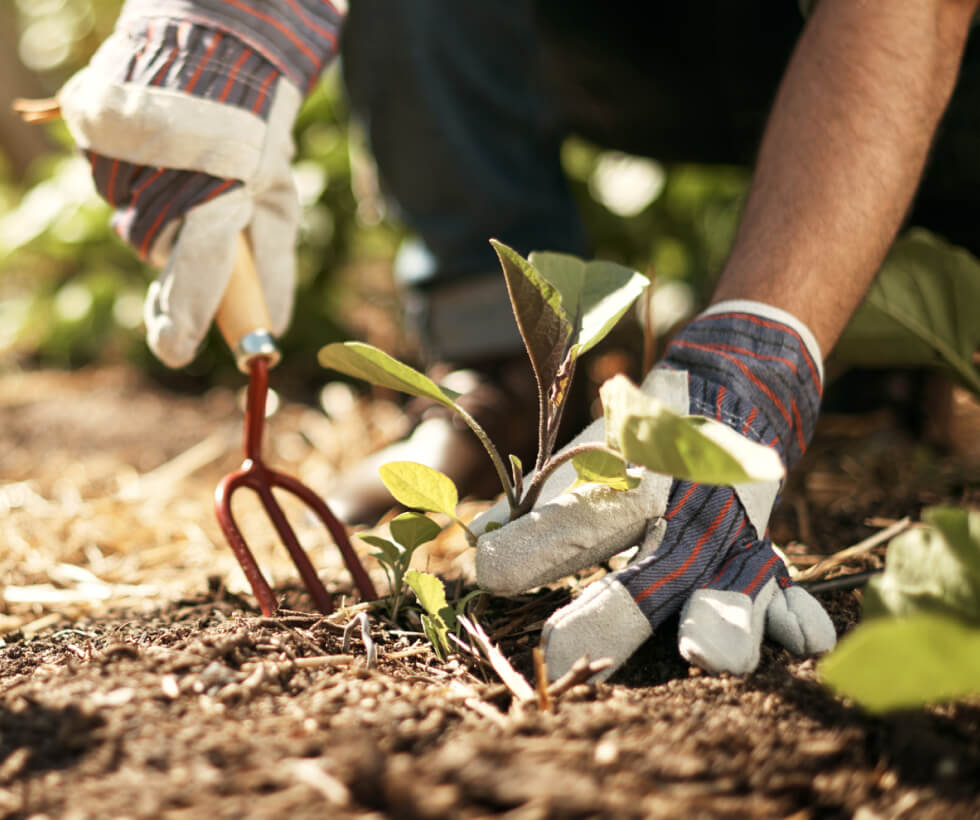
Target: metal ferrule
{"points": [[257, 344]]}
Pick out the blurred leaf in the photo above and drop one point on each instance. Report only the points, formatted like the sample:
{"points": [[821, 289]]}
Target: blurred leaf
{"points": [[933, 569], [689, 447], [920, 310], [598, 467], [412, 529], [896, 663], [419, 486], [363, 361]]}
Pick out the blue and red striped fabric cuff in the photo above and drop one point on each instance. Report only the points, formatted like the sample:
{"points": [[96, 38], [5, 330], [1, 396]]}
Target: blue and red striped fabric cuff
{"points": [[756, 369], [298, 37]]}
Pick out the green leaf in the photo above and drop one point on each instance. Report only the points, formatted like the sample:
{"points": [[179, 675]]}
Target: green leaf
{"points": [[920, 310], [544, 325], [599, 467], [690, 447], [437, 636], [431, 594], [364, 361], [493, 525], [933, 569], [895, 663], [594, 295], [412, 529], [389, 551], [429, 590], [419, 486]]}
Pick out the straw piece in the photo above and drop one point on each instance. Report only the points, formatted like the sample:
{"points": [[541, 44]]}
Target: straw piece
{"points": [[512, 679], [861, 548], [163, 479]]}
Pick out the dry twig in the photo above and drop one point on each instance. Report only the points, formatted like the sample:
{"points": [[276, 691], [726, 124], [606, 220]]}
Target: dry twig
{"points": [[514, 681], [861, 548], [541, 680], [582, 671]]}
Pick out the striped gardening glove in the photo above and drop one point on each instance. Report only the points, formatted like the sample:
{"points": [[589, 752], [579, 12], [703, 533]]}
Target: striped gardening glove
{"points": [[703, 550], [186, 113]]}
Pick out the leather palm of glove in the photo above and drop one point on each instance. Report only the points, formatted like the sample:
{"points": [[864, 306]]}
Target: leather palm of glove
{"points": [[185, 113], [703, 550]]}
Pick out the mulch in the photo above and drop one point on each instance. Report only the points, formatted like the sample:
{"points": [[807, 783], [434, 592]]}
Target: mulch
{"points": [[138, 679]]}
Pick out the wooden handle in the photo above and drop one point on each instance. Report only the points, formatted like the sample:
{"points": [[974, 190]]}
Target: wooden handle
{"points": [[242, 316], [37, 110], [242, 309]]}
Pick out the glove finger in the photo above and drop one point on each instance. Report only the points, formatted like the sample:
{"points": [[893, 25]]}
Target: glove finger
{"points": [[273, 233], [797, 620], [721, 630], [603, 622], [181, 303], [577, 529]]}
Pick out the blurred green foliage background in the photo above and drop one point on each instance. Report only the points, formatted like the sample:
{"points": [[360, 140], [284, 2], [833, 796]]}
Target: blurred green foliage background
{"points": [[71, 292]]}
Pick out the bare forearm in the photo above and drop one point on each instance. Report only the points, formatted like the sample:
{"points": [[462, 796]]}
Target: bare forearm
{"points": [[842, 155]]}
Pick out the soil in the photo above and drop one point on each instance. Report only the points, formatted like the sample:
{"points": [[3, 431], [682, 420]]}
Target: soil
{"points": [[138, 679]]}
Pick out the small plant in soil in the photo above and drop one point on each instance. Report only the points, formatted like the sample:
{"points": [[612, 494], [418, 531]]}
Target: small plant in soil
{"points": [[564, 306]]}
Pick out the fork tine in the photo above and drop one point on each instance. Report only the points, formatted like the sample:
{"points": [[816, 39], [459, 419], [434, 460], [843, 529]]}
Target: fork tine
{"points": [[233, 535], [311, 581]]}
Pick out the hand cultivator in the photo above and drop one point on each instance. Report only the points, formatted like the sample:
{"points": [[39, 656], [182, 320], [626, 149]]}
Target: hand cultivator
{"points": [[242, 319]]}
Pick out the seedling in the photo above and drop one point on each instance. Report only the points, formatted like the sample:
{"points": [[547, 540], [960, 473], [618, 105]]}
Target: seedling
{"points": [[409, 531], [564, 306]]}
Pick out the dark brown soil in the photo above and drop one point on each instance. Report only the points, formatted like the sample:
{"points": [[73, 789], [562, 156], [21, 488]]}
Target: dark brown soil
{"points": [[167, 695]]}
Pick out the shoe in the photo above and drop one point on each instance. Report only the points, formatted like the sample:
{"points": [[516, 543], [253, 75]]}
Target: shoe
{"points": [[502, 397]]}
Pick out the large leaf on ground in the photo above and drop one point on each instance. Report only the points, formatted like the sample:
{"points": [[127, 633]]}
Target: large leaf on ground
{"points": [[933, 569], [648, 433], [922, 309], [419, 486], [544, 325], [594, 295], [895, 663], [364, 361]]}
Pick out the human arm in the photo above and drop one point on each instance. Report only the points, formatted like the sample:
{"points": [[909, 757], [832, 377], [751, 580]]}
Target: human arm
{"points": [[839, 163], [842, 154]]}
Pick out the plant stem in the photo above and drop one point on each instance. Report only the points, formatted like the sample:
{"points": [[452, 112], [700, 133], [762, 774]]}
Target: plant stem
{"points": [[539, 478], [498, 462], [470, 537]]}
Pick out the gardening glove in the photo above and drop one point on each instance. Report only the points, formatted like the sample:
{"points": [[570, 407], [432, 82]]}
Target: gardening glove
{"points": [[703, 550], [185, 113]]}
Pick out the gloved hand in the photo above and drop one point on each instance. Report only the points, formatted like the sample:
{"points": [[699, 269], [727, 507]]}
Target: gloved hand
{"points": [[185, 113], [703, 550]]}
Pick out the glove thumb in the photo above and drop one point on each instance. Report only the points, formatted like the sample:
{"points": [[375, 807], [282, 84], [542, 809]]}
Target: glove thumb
{"points": [[182, 302]]}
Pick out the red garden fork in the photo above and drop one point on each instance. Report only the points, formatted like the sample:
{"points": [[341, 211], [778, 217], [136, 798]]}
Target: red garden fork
{"points": [[243, 319]]}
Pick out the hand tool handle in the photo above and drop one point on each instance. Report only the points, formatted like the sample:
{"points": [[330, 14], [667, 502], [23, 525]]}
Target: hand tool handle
{"points": [[243, 317]]}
